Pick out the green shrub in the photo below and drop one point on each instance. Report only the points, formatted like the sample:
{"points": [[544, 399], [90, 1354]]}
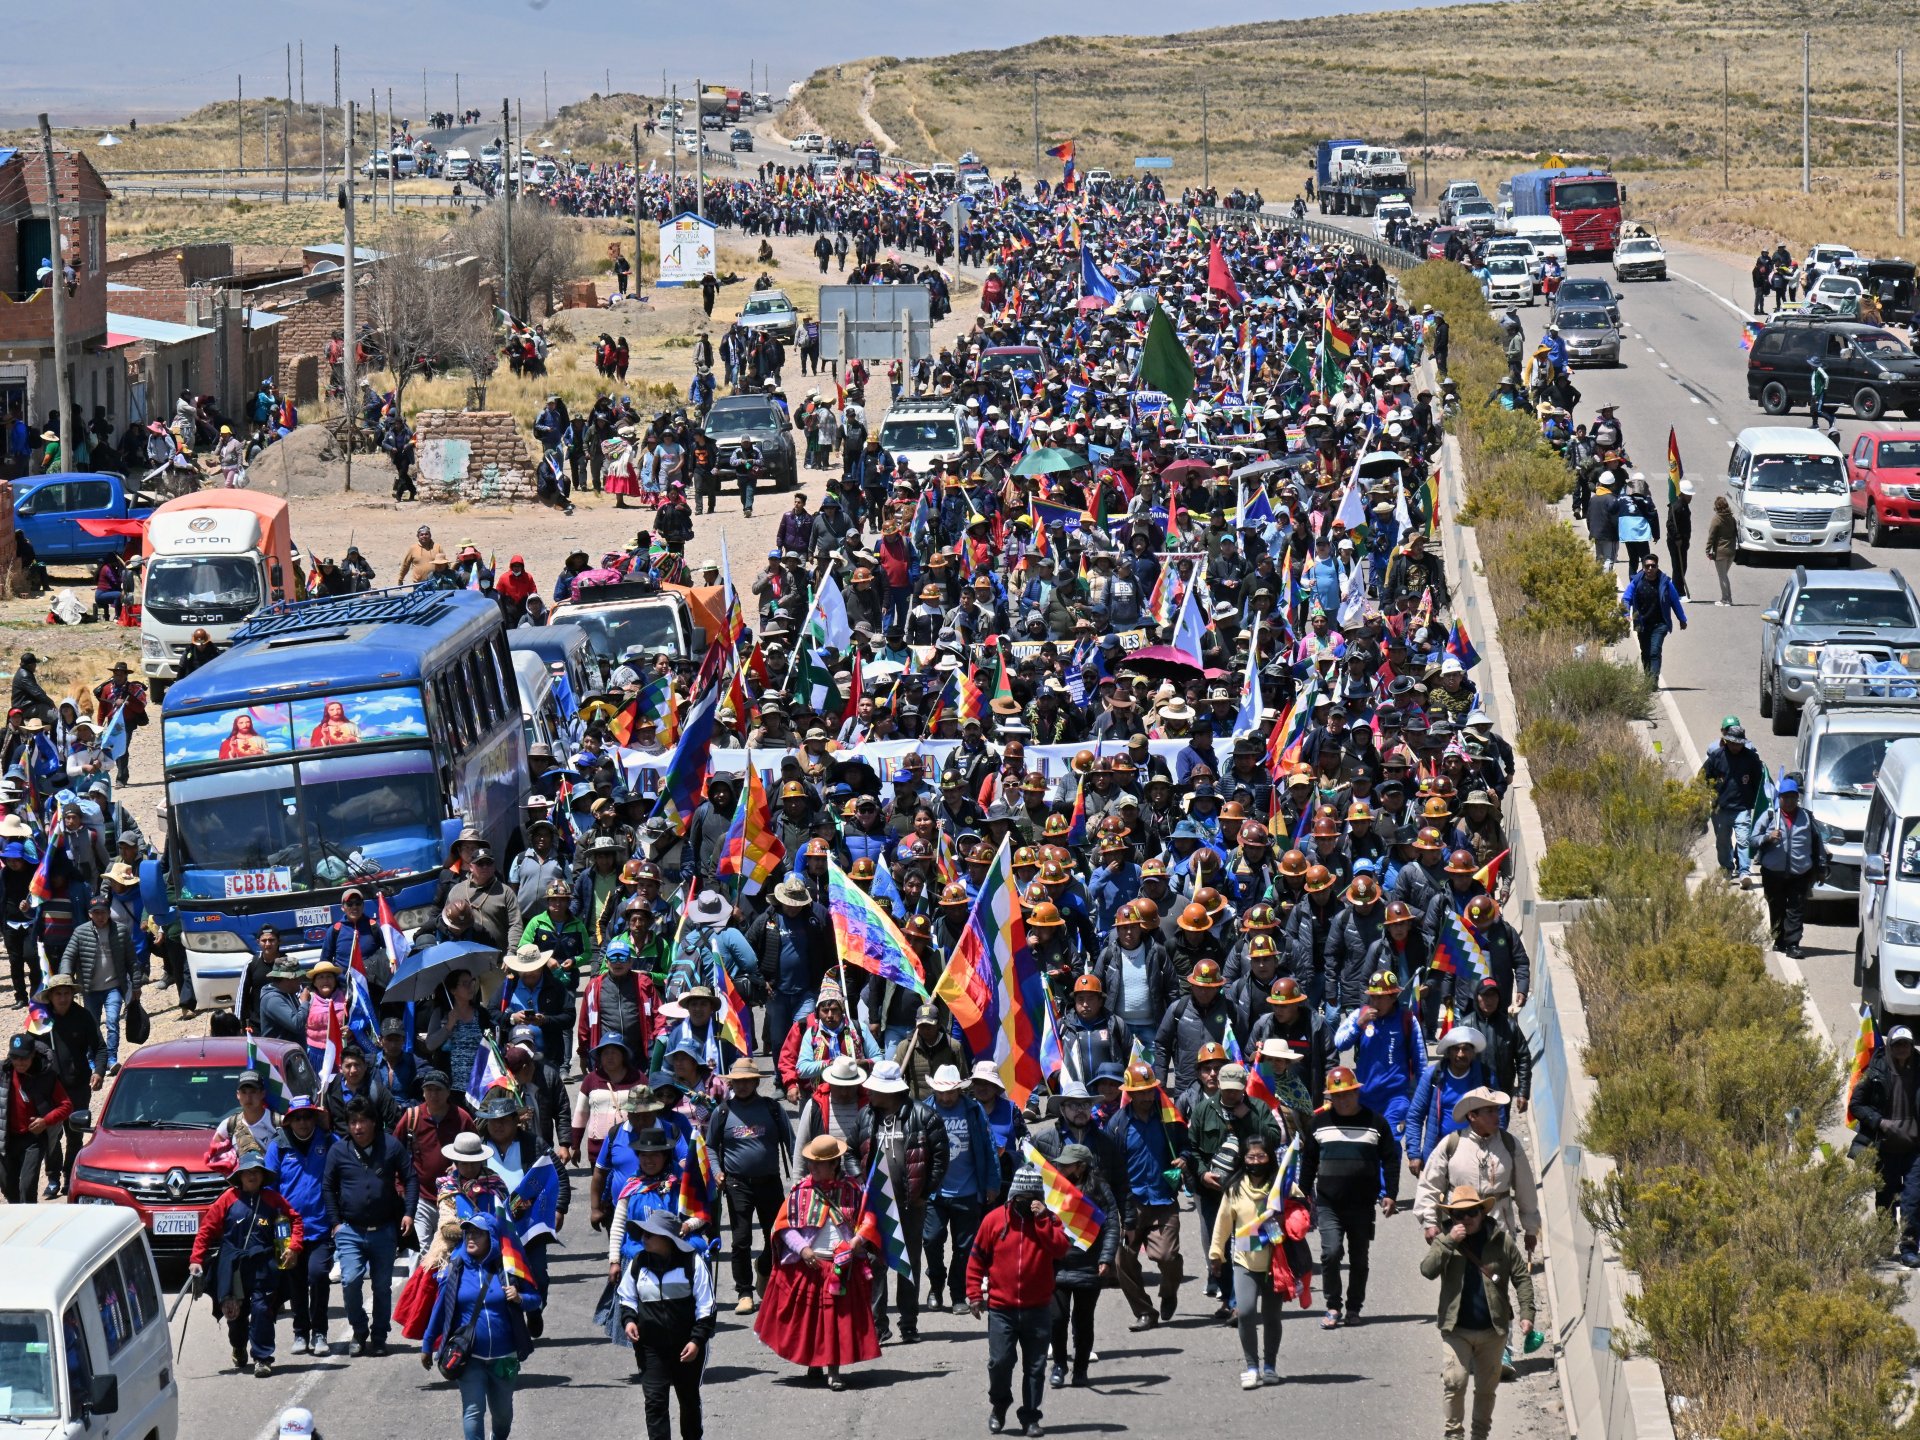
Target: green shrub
{"points": [[1541, 739], [1563, 585], [1574, 870], [1589, 686]]}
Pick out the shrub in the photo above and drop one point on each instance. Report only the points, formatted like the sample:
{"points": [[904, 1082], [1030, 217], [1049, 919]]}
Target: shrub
{"points": [[1585, 687], [1562, 584]]}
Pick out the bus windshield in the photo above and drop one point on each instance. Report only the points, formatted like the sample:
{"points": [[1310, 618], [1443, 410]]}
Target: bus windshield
{"points": [[317, 824]]}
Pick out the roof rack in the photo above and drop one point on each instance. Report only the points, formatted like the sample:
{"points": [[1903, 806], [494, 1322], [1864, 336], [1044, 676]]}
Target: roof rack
{"points": [[398, 605], [1850, 676]]}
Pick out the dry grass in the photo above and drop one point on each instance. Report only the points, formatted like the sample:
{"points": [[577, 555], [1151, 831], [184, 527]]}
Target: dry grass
{"points": [[142, 222], [212, 138], [1508, 84], [601, 128]]}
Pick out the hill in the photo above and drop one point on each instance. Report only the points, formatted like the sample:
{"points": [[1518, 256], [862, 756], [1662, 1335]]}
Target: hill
{"points": [[1494, 87], [214, 137], [600, 127]]}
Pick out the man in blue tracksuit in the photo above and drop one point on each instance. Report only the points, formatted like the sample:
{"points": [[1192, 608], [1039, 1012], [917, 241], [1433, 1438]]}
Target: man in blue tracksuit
{"points": [[1389, 1052], [299, 1157], [1653, 605], [971, 1187]]}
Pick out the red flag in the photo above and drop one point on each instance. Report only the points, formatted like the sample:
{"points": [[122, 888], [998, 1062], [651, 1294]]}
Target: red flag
{"points": [[1219, 277]]}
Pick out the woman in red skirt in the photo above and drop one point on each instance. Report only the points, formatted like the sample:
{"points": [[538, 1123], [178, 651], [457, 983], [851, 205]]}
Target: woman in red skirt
{"points": [[818, 1311]]}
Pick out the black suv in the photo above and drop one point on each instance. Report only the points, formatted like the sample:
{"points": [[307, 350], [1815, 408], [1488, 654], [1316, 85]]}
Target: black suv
{"points": [[1869, 369], [735, 418]]}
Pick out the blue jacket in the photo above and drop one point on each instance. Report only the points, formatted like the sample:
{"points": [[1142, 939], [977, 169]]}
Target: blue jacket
{"points": [[1430, 1117], [477, 1288], [1387, 1057], [1665, 606], [302, 1172]]}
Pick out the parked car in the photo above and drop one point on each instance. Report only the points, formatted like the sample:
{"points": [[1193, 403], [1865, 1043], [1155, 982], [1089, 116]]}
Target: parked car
{"points": [[48, 509], [1641, 258], [811, 143], [1592, 338], [1873, 612], [148, 1149], [740, 139], [1868, 369], [1839, 293], [1788, 489], [1474, 215], [1883, 480]]}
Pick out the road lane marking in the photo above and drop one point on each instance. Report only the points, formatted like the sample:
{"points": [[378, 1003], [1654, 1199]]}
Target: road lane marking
{"points": [[1714, 295]]}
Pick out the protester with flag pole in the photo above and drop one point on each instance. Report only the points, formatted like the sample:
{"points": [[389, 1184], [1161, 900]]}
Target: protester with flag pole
{"points": [[1883, 1085], [1082, 1201]]}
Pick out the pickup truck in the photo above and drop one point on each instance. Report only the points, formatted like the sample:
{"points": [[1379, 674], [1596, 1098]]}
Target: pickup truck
{"points": [[48, 509]]}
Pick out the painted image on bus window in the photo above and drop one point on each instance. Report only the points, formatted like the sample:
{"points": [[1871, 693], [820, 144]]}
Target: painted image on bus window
{"points": [[243, 733], [331, 721]]}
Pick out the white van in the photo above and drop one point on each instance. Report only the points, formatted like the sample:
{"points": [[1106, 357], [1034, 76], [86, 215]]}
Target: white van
{"points": [[1545, 233], [1849, 722], [539, 708], [84, 1348], [1788, 487]]}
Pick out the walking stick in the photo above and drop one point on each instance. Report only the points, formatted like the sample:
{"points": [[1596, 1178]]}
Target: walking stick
{"points": [[190, 1291]]}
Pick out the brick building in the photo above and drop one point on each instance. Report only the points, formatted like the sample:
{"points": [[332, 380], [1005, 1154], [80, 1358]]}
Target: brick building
{"points": [[28, 386]]}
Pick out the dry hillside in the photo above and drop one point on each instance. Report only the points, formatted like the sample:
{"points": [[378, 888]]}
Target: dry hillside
{"points": [[1637, 85]]}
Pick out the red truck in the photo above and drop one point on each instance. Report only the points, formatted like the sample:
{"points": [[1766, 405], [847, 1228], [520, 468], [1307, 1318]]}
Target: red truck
{"points": [[1585, 200], [737, 102]]}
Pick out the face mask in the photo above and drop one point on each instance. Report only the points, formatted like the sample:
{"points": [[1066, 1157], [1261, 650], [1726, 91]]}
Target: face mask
{"points": [[1260, 1174]]}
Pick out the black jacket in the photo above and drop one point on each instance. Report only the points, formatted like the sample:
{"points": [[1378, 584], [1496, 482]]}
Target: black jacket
{"points": [[79, 1049], [1872, 1101], [927, 1154], [368, 1188]]}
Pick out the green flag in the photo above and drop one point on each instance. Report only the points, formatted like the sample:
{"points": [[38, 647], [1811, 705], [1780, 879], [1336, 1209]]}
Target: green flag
{"points": [[812, 679], [1164, 362], [1300, 361], [1329, 368]]}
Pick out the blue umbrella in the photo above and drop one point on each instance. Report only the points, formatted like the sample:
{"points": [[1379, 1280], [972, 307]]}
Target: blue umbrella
{"points": [[426, 969]]}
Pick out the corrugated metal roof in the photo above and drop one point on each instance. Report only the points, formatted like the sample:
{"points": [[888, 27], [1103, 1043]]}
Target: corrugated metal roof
{"points": [[164, 332]]}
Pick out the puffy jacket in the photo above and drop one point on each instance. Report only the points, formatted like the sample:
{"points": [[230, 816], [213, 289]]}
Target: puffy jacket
{"points": [[1507, 1057], [1013, 1257], [1349, 943], [1872, 1098], [1183, 1030], [1160, 978], [1080, 1269], [1305, 946], [1430, 1116], [924, 1164]]}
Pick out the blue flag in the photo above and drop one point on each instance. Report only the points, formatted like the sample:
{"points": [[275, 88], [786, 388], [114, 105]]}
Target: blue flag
{"points": [[1092, 283]]}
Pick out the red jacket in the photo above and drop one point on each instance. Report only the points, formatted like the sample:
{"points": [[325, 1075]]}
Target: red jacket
{"points": [[213, 1224], [1013, 1255]]}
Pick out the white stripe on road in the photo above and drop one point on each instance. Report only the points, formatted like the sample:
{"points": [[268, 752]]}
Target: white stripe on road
{"points": [[1714, 295]]}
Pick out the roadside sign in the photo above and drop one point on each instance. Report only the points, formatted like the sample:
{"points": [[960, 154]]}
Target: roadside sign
{"points": [[687, 250], [1153, 162], [875, 322]]}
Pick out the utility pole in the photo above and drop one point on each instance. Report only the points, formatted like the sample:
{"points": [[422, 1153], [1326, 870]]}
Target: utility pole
{"points": [[1900, 138], [1726, 127], [512, 173], [1806, 112], [349, 332], [639, 252], [546, 100], [393, 166], [336, 77], [62, 382], [424, 112], [1426, 144], [673, 150], [303, 74], [700, 151], [1206, 149], [239, 124], [286, 135], [323, 153], [458, 114], [1035, 78]]}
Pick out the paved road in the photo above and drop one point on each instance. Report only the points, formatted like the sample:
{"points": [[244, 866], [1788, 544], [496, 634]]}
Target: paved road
{"points": [[1380, 1380]]}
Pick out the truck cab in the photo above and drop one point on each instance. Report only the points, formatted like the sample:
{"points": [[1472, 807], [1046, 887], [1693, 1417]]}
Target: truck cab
{"points": [[624, 618], [210, 560]]}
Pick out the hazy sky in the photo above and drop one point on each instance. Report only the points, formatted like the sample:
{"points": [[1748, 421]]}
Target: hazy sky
{"points": [[158, 59]]}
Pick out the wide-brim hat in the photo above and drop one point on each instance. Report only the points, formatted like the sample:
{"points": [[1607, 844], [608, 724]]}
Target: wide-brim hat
{"points": [[1464, 1198], [886, 1079], [792, 892], [1462, 1035], [469, 1147], [528, 960], [843, 1072], [743, 1069], [946, 1078], [665, 1223], [822, 1147], [1479, 1098], [711, 908]]}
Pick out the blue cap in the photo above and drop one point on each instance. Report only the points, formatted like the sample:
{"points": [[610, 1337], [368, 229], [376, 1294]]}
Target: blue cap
{"points": [[13, 850], [1787, 786], [1189, 830]]}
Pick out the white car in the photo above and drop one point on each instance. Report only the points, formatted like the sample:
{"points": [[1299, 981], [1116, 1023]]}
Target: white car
{"points": [[1515, 247], [1641, 257], [1830, 258], [1390, 208], [690, 141], [1509, 281], [1099, 177], [811, 143], [1837, 292], [941, 171]]}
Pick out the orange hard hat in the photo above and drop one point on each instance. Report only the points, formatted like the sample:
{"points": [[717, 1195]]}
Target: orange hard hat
{"points": [[1195, 918], [1340, 1080]]}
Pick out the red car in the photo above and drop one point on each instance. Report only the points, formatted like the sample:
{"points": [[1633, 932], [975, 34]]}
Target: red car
{"points": [[1437, 241], [1883, 478], [149, 1149]]}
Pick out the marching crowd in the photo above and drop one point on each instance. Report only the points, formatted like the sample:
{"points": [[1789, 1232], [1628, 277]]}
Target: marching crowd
{"points": [[1098, 827]]}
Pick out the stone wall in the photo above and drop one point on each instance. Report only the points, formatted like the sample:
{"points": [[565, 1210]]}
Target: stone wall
{"points": [[306, 325], [474, 455]]}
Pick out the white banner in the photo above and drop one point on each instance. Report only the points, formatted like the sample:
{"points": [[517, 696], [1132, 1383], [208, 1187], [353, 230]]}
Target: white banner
{"points": [[687, 250]]}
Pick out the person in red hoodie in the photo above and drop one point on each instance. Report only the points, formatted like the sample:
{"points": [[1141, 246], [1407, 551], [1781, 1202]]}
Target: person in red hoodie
{"points": [[37, 1106], [1010, 1280]]}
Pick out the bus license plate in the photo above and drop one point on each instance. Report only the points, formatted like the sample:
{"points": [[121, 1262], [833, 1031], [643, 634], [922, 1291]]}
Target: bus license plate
{"points": [[177, 1222], [244, 883], [317, 915]]}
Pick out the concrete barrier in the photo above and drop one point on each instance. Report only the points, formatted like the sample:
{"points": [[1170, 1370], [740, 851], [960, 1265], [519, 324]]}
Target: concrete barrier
{"points": [[1606, 1393]]}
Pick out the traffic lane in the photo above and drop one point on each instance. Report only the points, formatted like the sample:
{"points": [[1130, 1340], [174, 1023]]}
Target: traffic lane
{"points": [[1183, 1377], [1685, 368]]}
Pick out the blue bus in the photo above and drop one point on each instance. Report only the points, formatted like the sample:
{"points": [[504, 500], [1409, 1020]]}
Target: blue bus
{"points": [[340, 742]]}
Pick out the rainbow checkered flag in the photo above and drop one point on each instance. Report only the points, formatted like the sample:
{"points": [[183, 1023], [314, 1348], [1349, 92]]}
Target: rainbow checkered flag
{"points": [[1865, 1042], [879, 1221], [513, 1261], [279, 1094], [1078, 1215]]}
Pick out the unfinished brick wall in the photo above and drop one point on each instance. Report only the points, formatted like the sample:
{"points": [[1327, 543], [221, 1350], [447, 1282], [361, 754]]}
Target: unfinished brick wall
{"points": [[474, 455], [305, 327], [172, 303], [178, 265]]}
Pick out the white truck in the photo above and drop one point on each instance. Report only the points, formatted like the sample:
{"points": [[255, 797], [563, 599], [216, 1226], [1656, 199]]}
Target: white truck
{"points": [[209, 560]]}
